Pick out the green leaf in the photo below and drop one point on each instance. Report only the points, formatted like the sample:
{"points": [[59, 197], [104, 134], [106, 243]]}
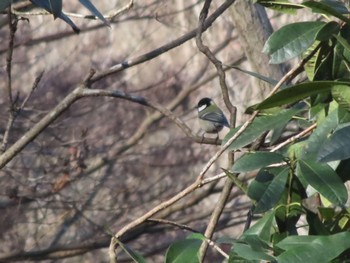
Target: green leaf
{"points": [[341, 61], [258, 127], [94, 11], [325, 180], [341, 94], [298, 92], [295, 241], [326, 9], [247, 252], [283, 6], [316, 139], [183, 251], [270, 192], [337, 147], [327, 31], [311, 64], [262, 229], [291, 40], [234, 178], [301, 249], [257, 160]]}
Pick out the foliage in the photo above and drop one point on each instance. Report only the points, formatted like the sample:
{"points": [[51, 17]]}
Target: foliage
{"points": [[290, 169], [315, 165]]}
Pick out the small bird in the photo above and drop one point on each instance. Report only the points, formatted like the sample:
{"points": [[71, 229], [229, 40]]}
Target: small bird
{"points": [[211, 117]]}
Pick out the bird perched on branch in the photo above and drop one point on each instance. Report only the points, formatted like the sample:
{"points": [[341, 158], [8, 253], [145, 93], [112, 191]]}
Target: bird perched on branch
{"points": [[211, 117]]}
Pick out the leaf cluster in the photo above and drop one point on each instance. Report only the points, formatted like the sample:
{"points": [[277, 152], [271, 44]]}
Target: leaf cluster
{"points": [[309, 167]]}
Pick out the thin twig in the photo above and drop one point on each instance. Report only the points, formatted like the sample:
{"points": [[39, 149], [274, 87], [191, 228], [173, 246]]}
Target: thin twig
{"points": [[34, 87], [225, 193], [12, 21], [294, 138], [185, 227]]}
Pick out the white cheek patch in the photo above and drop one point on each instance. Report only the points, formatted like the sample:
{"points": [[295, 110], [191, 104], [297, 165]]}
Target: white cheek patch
{"points": [[202, 107]]}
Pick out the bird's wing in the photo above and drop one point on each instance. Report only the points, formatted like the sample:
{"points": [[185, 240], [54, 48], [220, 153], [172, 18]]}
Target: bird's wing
{"points": [[217, 117]]}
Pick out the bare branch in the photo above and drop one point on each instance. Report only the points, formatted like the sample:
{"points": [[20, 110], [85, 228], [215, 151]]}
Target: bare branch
{"points": [[185, 227], [12, 22]]}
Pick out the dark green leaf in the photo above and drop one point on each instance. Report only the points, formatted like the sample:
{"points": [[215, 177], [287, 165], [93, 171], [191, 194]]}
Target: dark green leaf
{"points": [[298, 92], [247, 252], [258, 127], [341, 63], [262, 228], [327, 31], [316, 226], [69, 22], [336, 147], [234, 178], [46, 4], [316, 139], [341, 94], [270, 192], [326, 9], [343, 170], [183, 251], [295, 241], [283, 6], [257, 160], [94, 11], [52, 6], [291, 40], [325, 180], [313, 249], [56, 7]]}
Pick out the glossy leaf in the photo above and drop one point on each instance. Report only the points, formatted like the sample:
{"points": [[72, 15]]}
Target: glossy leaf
{"points": [[259, 126], [327, 9], [183, 251], [313, 249], [327, 31], [298, 92], [94, 11], [336, 147], [269, 192], [257, 160], [325, 180], [291, 40]]}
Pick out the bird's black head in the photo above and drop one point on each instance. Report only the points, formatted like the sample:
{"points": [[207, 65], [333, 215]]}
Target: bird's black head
{"points": [[203, 103]]}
